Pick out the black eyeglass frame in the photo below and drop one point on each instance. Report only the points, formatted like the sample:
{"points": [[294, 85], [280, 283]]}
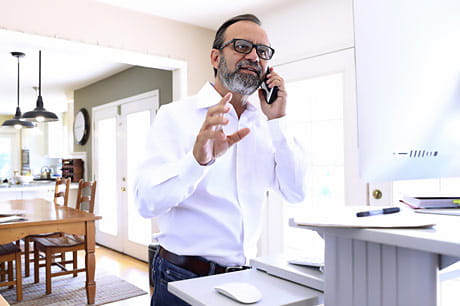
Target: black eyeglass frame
{"points": [[250, 50]]}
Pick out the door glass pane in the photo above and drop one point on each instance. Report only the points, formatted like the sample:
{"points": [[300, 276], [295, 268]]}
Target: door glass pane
{"points": [[106, 180], [316, 109], [137, 127]]}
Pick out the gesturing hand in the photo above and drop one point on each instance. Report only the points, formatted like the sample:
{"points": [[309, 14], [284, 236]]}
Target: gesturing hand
{"points": [[211, 142]]}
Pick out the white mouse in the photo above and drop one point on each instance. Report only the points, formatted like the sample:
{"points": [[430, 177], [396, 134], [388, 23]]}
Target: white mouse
{"points": [[239, 291]]}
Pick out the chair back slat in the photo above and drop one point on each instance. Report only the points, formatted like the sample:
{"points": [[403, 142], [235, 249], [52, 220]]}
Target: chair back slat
{"points": [[61, 191], [86, 195]]}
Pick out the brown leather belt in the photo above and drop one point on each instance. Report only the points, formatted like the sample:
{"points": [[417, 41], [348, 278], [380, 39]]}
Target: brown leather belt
{"points": [[196, 264]]}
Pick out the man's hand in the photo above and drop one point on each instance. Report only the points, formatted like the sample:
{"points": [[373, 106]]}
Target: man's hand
{"points": [[211, 141], [278, 108]]}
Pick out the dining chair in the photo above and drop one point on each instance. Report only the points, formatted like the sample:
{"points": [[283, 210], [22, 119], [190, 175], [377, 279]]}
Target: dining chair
{"points": [[61, 191], [61, 197], [67, 243], [10, 253]]}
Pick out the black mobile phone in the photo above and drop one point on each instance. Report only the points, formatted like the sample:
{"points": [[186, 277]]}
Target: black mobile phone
{"points": [[270, 94]]}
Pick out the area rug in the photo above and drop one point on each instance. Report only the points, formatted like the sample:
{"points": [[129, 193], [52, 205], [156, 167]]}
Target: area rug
{"points": [[68, 290]]}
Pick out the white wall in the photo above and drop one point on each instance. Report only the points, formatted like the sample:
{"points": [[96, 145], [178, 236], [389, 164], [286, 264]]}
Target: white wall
{"points": [[310, 27]]}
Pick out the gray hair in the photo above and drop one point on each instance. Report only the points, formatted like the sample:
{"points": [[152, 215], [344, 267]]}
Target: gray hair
{"points": [[219, 38]]}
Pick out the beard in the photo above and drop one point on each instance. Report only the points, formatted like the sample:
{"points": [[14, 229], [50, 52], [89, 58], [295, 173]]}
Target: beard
{"points": [[236, 81]]}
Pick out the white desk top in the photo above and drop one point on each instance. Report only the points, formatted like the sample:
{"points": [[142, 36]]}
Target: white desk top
{"points": [[443, 238], [275, 291]]}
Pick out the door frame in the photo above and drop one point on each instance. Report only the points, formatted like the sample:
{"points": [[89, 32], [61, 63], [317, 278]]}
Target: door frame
{"points": [[120, 243]]}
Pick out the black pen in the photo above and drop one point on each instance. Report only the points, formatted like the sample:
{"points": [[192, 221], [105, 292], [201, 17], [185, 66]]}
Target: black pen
{"points": [[384, 211]]}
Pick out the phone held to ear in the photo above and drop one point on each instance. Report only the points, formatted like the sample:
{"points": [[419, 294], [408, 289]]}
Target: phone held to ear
{"points": [[270, 94]]}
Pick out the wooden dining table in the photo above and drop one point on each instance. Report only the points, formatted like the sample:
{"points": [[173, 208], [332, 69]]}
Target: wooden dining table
{"points": [[43, 216]]}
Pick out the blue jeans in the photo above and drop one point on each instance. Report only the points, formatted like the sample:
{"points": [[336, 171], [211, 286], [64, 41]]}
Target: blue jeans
{"points": [[163, 272]]}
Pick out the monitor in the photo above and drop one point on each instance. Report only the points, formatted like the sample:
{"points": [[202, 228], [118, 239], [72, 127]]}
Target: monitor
{"points": [[408, 88]]}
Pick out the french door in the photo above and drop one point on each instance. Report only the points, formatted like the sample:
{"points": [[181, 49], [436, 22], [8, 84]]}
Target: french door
{"points": [[120, 130]]}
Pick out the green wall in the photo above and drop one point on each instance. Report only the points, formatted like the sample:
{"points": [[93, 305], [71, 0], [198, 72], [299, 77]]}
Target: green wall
{"points": [[130, 82]]}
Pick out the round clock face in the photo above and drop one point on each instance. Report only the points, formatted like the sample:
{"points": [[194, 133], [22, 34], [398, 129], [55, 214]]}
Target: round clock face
{"points": [[81, 126]]}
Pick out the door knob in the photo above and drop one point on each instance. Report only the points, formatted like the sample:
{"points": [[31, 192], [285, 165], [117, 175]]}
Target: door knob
{"points": [[377, 194], [123, 189]]}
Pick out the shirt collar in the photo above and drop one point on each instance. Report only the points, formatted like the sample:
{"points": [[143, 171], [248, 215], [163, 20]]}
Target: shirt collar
{"points": [[208, 96]]}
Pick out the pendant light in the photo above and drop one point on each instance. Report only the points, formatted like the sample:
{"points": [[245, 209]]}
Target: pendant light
{"points": [[16, 121], [39, 114]]}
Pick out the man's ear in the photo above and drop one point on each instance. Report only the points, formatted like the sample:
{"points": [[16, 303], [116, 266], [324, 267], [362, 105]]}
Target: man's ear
{"points": [[215, 58]]}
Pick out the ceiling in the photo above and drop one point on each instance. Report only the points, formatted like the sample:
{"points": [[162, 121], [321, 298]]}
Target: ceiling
{"points": [[63, 70], [67, 69], [204, 13]]}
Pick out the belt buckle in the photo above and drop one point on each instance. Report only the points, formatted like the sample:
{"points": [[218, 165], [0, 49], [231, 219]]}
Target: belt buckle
{"points": [[233, 269], [236, 268]]}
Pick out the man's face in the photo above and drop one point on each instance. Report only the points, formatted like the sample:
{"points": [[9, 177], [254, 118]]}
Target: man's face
{"points": [[236, 80], [242, 73]]}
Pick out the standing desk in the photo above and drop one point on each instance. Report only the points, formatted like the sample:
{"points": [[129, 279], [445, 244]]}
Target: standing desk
{"points": [[275, 291], [387, 267]]}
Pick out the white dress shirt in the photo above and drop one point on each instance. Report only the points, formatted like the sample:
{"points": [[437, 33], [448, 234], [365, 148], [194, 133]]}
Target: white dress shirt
{"points": [[215, 211]]}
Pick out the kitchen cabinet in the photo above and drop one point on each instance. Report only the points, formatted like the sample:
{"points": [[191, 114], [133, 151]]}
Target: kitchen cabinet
{"points": [[56, 141], [10, 195], [43, 190]]}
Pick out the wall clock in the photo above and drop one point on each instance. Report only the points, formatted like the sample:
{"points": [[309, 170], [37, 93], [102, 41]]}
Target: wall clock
{"points": [[81, 126]]}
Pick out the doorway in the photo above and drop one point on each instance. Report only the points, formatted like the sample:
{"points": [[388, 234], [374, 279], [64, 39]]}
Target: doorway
{"points": [[120, 130]]}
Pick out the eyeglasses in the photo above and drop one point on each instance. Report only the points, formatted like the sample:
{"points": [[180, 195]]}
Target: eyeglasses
{"points": [[245, 47]]}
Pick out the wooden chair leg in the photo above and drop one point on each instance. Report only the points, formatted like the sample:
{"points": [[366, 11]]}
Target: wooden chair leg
{"points": [[36, 264], [10, 273], [63, 258], [48, 272], [18, 278], [75, 263], [2, 270], [27, 256]]}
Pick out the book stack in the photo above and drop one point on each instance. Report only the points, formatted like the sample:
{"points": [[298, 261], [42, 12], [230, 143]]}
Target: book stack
{"points": [[432, 202]]}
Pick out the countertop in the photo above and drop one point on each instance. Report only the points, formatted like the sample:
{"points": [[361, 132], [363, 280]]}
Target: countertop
{"points": [[32, 186]]}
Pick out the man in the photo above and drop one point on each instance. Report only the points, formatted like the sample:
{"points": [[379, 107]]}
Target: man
{"points": [[212, 157]]}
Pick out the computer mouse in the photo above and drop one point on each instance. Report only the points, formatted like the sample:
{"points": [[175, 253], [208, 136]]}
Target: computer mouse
{"points": [[240, 291]]}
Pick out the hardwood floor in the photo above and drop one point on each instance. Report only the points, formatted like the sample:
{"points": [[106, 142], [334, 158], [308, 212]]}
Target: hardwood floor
{"points": [[126, 267]]}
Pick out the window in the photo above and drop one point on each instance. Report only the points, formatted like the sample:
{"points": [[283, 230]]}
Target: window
{"points": [[316, 104], [9, 152], [322, 109]]}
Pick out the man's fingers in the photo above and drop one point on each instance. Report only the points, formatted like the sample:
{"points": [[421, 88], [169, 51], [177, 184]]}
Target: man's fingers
{"points": [[237, 136], [215, 115], [212, 135], [226, 98], [214, 121]]}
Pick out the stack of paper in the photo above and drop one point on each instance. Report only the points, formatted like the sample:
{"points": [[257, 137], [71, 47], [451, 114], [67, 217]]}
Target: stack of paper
{"points": [[11, 219], [11, 215]]}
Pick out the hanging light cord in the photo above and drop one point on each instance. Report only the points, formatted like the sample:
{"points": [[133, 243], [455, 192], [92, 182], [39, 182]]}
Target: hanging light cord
{"points": [[18, 81], [40, 72]]}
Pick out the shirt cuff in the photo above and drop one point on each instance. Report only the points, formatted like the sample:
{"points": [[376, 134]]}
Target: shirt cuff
{"points": [[191, 168], [278, 129]]}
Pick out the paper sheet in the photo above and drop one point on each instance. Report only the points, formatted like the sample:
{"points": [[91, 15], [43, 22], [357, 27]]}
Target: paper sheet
{"points": [[16, 212], [11, 219]]}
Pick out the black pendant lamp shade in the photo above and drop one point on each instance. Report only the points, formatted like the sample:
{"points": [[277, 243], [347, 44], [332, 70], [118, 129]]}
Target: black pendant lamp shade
{"points": [[16, 121], [39, 114]]}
